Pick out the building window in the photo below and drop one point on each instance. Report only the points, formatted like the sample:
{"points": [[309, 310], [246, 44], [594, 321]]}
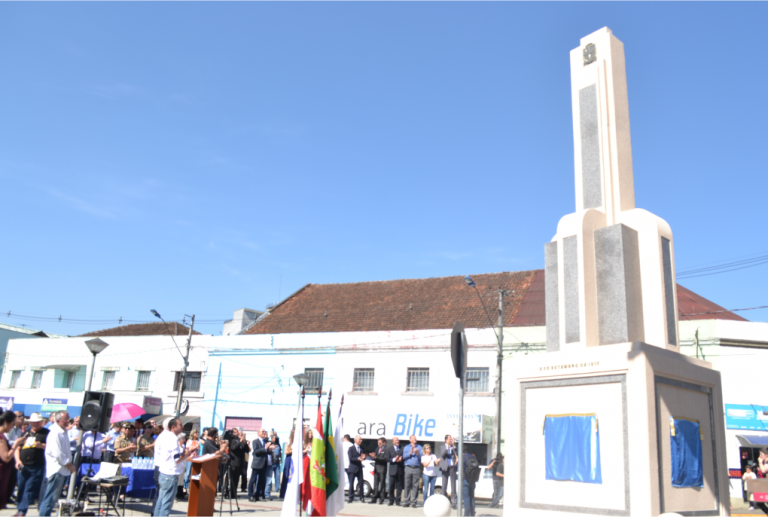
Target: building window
{"points": [[15, 374], [191, 382], [109, 379], [418, 379], [315, 382], [247, 423], [69, 382], [143, 384], [477, 380], [363, 380], [37, 379]]}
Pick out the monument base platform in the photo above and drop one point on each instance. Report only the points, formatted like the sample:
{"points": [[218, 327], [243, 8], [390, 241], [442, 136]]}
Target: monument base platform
{"points": [[625, 404]]}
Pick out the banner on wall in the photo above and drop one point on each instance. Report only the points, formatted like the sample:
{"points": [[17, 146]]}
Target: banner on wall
{"points": [[152, 405], [6, 403], [746, 416], [51, 405]]}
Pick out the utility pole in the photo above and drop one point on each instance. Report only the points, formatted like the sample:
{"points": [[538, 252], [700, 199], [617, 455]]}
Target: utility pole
{"points": [[184, 370], [696, 340], [499, 364]]}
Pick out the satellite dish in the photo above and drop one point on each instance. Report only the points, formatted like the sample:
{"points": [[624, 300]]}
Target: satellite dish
{"points": [[184, 407]]}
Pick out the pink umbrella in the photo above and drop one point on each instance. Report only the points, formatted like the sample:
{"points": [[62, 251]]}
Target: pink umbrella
{"points": [[125, 411]]}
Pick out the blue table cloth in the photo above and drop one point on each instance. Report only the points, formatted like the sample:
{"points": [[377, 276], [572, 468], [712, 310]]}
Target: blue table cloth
{"points": [[140, 481]]}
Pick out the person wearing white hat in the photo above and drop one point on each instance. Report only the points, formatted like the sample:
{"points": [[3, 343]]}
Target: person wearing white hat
{"points": [[30, 460]]}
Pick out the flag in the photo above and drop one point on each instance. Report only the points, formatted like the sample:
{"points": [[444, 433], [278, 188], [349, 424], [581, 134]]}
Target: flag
{"points": [[331, 464], [293, 491], [335, 501], [317, 473]]}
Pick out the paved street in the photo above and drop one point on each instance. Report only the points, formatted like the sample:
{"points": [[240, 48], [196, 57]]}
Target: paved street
{"points": [[273, 508]]}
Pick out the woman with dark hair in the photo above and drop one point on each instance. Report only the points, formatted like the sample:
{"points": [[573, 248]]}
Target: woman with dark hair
{"points": [[7, 421]]}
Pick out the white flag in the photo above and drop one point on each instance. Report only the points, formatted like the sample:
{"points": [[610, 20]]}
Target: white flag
{"points": [[335, 503], [293, 492]]}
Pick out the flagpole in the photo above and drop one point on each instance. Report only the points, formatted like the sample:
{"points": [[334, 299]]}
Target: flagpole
{"points": [[300, 425]]}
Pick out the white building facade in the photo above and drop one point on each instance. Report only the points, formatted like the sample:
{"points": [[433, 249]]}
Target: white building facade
{"points": [[392, 383], [49, 374]]}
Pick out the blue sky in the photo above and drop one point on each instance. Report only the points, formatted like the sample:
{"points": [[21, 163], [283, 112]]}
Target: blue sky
{"points": [[203, 157]]}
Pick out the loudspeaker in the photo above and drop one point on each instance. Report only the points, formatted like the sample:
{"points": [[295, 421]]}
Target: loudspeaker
{"points": [[96, 412]]}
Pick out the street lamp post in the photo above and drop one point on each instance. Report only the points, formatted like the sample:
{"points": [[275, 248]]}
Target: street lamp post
{"points": [[499, 358], [301, 379], [184, 357], [95, 346]]}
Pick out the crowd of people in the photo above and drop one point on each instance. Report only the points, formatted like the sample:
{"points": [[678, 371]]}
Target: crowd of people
{"points": [[36, 461], [412, 468]]}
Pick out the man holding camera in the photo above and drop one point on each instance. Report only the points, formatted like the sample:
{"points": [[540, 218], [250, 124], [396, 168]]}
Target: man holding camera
{"points": [[238, 448]]}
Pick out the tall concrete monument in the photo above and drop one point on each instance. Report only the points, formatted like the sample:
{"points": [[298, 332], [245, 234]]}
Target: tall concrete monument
{"points": [[613, 420]]}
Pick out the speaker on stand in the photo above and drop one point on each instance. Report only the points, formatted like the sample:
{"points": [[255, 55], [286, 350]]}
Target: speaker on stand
{"points": [[94, 417], [96, 412]]}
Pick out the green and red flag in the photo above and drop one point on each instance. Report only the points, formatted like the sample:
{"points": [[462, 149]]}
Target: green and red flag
{"points": [[331, 467], [317, 474]]}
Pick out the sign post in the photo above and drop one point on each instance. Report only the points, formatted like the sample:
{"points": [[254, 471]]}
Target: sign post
{"points": [[459, 347]]}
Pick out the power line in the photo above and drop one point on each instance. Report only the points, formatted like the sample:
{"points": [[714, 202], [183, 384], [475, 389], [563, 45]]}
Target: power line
{"points": [[724, 310], [725, 267]]}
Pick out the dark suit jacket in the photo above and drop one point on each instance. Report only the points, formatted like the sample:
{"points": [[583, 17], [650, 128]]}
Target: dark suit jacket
{"points": [[444, 457], [237, 451], [355, 464], [395, 468], [260, 453], [381, 460]]}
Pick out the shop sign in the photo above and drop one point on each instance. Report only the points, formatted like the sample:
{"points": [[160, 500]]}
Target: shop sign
{"points": [[426, 427], [51, 405], [6, 403], [152, 405], [742, 416]]}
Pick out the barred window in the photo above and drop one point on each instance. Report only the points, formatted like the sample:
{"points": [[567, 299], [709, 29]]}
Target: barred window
{"points": [[315, 382], [107, 381], [70, 380], [477, 380], [191, 381], [143, 383], [247, 423], [15, 374], [37, 379], [363, 380], [418, 379]]}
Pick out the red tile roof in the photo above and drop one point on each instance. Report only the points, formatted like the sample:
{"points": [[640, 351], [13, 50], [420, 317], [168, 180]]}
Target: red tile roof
{"points": [[430, 303], [691, 306], [143, 329]]}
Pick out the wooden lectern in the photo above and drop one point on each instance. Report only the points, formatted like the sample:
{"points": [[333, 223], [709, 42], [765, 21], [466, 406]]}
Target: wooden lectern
{"points": [[202, 486]]}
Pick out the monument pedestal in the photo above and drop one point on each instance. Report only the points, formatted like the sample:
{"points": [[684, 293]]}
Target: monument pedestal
{"points": [[632, 390]]}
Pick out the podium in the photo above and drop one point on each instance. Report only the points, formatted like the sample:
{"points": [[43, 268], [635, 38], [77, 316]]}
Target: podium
{"points": [[202, 485]]}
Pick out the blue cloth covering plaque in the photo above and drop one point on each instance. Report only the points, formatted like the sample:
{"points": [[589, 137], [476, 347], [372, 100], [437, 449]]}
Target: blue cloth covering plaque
{"points": [[572, 448]]}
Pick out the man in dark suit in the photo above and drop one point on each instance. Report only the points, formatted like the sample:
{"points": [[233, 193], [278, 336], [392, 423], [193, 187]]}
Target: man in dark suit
{"points": [[238, 448], [394, 455], [380, 473], [262, 458], [356, 455], [449, 461]]}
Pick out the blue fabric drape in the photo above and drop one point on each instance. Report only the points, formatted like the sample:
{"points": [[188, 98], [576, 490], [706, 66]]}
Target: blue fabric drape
{"points": [[685, 446], [572, 448]]}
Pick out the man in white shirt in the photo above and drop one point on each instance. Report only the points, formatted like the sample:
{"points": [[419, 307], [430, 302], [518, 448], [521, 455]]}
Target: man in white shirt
{"points": [[58, 462], [170, 460], [88, 451]]}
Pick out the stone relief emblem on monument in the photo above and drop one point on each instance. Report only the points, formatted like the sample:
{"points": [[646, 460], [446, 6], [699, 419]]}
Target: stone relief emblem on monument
{"points": [[590, 54]]}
